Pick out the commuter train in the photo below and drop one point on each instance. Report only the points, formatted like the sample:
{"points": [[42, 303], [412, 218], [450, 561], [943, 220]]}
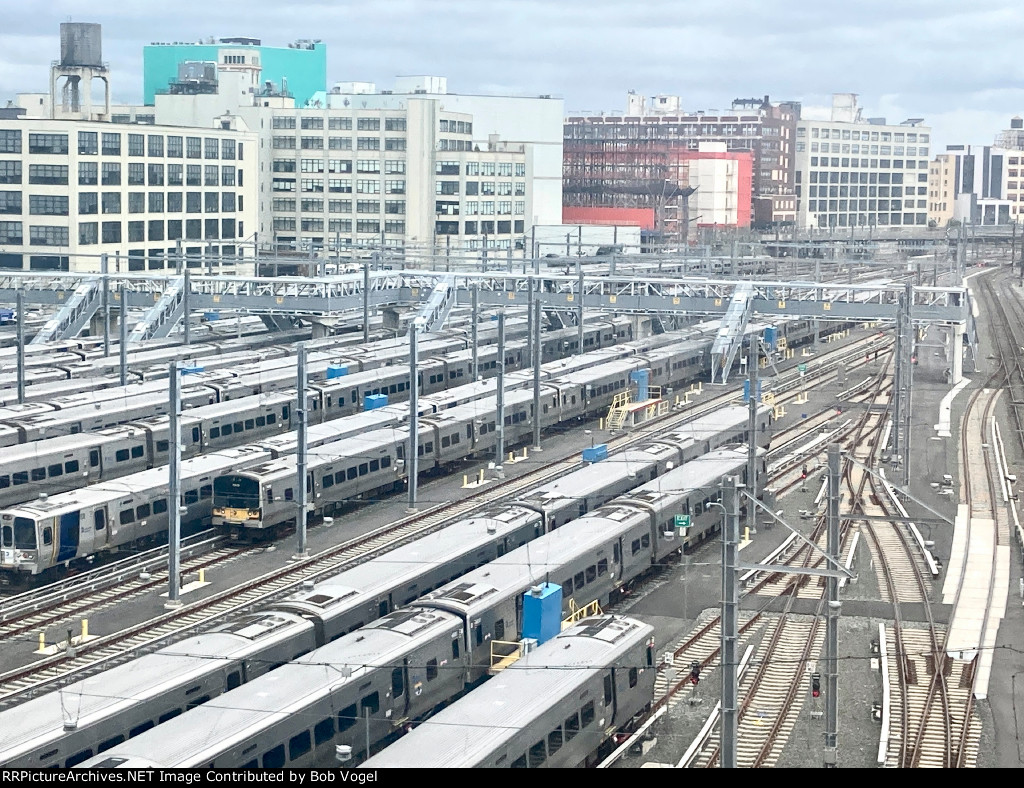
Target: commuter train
{"points": [[132, 697], [98, 449], [253, 486], [551, 709], [365, 686]]}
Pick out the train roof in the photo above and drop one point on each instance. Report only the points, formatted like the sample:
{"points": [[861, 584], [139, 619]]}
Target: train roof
{"points": [[41, 719], [468, 731], [593, 478], [349, 589], [199, 735], [47, 446]]}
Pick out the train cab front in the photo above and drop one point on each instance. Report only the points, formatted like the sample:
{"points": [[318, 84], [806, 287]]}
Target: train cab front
{"points": [[236, 505], [19, 549]]}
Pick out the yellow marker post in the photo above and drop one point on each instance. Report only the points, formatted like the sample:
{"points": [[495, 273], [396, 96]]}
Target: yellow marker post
{"points": [[85, 629], [202, 575], [42, 640], [481, 475], [465, 479]]}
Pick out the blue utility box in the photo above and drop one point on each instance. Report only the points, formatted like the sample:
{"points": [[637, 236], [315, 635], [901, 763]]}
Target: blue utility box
{"points": [[746, 390], [374, 401], [771, 336], [336, 371], [596, 453], [542, 612], [642, 377], [211, 316], [191, 369]]}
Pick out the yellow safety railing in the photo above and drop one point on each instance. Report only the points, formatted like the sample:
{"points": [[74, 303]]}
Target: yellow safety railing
{"points": [[504, 653], [577, 613]]}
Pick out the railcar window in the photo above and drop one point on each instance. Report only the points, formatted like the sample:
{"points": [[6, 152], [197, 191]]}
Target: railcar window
{"points": [[555, 741], [55, 470], [140, 728], [127, 516], [160, 506], [578, 581], [5, 481], [431, 669], [47, 536], [323, 731], [238, 426], [328, 481], [607, 689], [299, 745], [371, 703], [374, 465], [645, 540], [567, 588], [455, 648], [111, 742], [94, 458], [121, 455], [24, 533], [519, 763], [602, 567], [397, 682], [635, 546], [289, 494], [142, 511], [633, 676], [347, 718], [137, 451], [206, 491], [364, 469], [587, 714], [163, 446], [78, 758], [250, 424], [38, 474], [351, 473], [538, 754], [261, 421], [591, 574], [572, 727], [170, 715], [274, 759], [214, 433]]}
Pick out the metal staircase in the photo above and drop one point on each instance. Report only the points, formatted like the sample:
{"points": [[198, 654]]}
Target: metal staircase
{"points": [[437, 307], [163, 315], [74, 315], [730, 336], [619, 410]]}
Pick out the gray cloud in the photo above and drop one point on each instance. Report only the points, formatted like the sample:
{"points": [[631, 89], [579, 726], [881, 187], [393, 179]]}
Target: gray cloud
{"points": [[947, 62]]}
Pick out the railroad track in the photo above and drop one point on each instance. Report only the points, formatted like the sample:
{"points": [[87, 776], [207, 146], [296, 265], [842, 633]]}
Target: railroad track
{"points": [[120, 646]]}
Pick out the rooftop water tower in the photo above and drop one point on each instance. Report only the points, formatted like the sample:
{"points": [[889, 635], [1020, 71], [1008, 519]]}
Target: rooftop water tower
{"points": [[81, 61]]}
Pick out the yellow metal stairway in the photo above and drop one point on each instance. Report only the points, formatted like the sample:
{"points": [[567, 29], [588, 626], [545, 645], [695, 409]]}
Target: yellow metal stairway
{"points": [[619, 410]]}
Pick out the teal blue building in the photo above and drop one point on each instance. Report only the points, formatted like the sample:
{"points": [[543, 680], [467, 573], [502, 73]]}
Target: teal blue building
{"points": [[303, 64]]}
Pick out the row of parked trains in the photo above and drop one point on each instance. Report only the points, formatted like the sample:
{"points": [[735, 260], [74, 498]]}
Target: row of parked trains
{"points": [[354, 658], [250, 490]]}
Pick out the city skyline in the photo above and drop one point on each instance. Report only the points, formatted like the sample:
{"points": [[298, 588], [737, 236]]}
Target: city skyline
{"points": [[937, 60]]}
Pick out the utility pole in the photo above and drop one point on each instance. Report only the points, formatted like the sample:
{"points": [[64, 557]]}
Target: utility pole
{"points": [[473, 331], [122, 334], [106, 306], [412, 463], [579, 306], [174, 489], [832, 620], [730, 621], [185, 307], [753, 401], [366, 300], [536, 375], [303, 415], [20, 306], [499, 450]]}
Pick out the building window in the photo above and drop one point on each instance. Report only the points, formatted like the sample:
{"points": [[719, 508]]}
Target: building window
{"points": [[88, 143], [394, 167], [136, 145], [136, 202], [312, 184], [174, 149], [88, 202], [394, 206], [88, 173], [227, 202], [312, 143], [227, 150], [339, 225], [136, 232], [212, 230], [284, 143], [283, 204], [48, 236], [175, 175], [48, 174], [88, 233], [10, 172], [156, 175], [212, 175], [136, 174], [193, 147], [174, 202], [111, 202], [312, 123], [47, 205], [368, 124], [156, 202], [394, 227], [368, 186], [211, 147], [193, 229], [367, 226], [339, 124], [11, 233], [367, 206], [48, 143], [310, 225], [284, 223], [194, 175], [339, 206], [339, 166], [339, 143], [156, 230], [112, 232], [280, 122], [394, 187], [10, 141], [10, 202], [283, 185], [312, 165], [446, 187], [394, 124], [340, 185]]}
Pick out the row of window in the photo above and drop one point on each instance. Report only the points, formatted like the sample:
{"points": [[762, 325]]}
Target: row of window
{"points": [[238, 427], [552, 743], [316, 123], [874, 164], [152, 230], [871, 150], [338, 143], [482, 228], [867, 220], [485, 168], [138, 174], [92, 143], [864, 136], [864, 191], [138, 202]]}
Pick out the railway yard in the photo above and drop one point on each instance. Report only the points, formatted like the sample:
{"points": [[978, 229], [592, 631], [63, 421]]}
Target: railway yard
{"points": [[548, 590]]}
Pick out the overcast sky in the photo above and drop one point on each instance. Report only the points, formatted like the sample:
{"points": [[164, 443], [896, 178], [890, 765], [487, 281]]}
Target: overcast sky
{"points": [[954, 64]]}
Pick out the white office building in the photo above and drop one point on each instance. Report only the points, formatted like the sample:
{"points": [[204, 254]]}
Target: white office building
{"points": [[73, 190], [856, 172]]}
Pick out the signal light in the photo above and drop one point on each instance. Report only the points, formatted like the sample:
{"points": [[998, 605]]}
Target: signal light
{"points": [[803, 472], [815, 685], [694, 673]]}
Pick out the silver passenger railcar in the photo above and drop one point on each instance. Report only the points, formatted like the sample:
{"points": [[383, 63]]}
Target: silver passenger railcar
{"points": [[551, 709]]}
